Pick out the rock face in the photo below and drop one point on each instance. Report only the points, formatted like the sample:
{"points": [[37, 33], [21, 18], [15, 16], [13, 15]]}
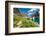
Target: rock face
{"points": [[17, 12]]}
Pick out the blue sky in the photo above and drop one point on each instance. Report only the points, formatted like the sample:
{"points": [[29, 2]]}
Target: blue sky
{"points": [[28, 11], [24, 10]]}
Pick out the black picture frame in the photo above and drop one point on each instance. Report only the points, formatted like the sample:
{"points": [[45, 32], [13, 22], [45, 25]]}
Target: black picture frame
{"points": [[6, 17]]}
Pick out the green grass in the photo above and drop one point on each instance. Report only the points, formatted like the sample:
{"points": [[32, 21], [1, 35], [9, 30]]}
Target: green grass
{"points": [[26, 22]]}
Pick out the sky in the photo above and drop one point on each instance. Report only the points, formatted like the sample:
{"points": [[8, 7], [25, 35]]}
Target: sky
{"points": [[28, 11], [24, 10]]}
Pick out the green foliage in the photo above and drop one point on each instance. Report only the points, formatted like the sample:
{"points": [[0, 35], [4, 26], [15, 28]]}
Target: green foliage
{"points": [[26, 22]]}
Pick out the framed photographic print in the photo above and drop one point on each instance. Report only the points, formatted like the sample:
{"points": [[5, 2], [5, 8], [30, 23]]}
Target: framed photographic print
{"points": [[24, 17]]}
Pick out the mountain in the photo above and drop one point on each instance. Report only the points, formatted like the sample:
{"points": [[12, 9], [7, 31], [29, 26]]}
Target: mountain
{"points": [[26, 12]]}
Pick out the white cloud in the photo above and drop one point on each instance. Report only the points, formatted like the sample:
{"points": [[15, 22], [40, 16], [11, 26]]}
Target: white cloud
{"points": [[31, 10], [29, 14]]}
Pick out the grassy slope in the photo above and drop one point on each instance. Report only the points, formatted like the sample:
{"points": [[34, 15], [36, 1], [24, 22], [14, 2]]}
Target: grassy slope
{"points": [[26, 22]]}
